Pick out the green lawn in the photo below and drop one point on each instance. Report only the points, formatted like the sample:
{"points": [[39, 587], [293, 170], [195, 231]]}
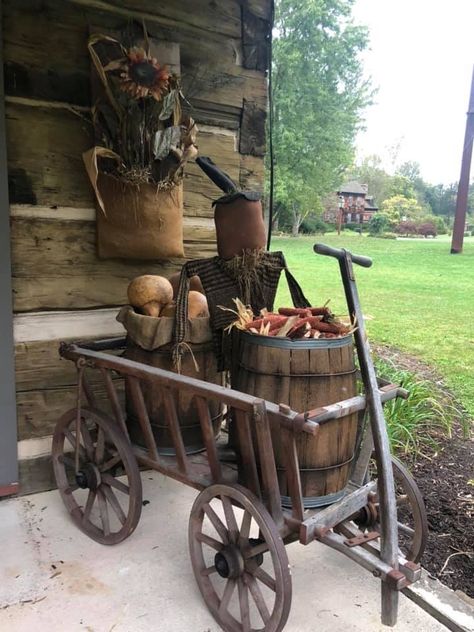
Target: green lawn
{"points": [[420, 297]]}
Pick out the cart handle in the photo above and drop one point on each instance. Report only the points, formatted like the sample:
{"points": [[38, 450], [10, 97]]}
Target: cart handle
{"points": [[342, 253]]}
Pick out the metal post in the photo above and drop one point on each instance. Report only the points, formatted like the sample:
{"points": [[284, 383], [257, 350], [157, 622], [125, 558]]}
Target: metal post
{"points": [[463, 187], [339, 219], [8, 443]]}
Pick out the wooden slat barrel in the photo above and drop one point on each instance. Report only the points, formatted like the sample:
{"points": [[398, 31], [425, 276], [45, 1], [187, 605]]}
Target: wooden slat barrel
{"points": [[185, 406], [305, 374]]}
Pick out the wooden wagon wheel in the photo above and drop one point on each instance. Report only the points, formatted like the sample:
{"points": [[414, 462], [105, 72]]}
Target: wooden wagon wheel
{"points": [[239, 560], [104, 497], [411, 513], [412, 520]]}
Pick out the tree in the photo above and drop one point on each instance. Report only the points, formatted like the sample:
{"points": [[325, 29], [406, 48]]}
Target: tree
{"points": [[399, 208], [378, 223], [411, 172], [318, 94], [401, 185], [371, 172]]}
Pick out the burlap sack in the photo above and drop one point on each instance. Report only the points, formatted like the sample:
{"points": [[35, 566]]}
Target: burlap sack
{"points": [[152, 333], [139, 222]]}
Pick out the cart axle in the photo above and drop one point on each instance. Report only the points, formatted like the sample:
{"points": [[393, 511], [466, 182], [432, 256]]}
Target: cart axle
{"points": [[88, 477]]}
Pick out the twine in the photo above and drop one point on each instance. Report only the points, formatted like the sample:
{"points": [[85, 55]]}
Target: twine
{"points": [[177, 356]]}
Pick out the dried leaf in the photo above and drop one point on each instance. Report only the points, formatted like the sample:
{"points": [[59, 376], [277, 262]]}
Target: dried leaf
{"points": [[169, 104], [287, 326], [164, 140]]}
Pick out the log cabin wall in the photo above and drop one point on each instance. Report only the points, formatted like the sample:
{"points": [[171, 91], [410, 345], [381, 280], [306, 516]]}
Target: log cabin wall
{"points": [[61, 290]]}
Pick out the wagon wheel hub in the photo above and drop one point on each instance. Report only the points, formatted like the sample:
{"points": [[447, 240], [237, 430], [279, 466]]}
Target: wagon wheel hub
{"points": [[88, 477], [229, 562], [368, 516]]}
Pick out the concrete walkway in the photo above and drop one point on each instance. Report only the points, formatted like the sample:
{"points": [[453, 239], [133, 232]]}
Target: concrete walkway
{"points": [[53, 578]]}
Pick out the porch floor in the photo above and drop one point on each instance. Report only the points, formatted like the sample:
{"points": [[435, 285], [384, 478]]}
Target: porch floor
{"points": [[54, 578]]}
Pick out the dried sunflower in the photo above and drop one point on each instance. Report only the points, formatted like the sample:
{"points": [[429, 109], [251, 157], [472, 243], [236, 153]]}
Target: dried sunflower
{"points": [[143, 76]]}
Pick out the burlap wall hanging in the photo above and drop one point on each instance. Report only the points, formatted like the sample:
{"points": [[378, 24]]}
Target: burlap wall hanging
{"points": [[143, 141]]}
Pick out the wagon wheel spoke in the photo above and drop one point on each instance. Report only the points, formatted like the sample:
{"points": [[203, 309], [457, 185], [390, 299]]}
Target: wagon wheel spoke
{"points": [[230, 518], [227, 595], [264, 577], [256, 550], [89, 504], [113, 482], [66, 460], [100, 446], [104, 512], [245, 526], [75, 443], [244, 605], [114, 503], [86, 437], [206, 539], [208, 571], [257, 597], [403, 528], [71, 489], [108, 465], [217, 523]]}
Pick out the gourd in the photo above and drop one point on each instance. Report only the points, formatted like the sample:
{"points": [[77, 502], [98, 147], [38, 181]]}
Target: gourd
{"points": [[197, 305], [149, 293], [194, 283]]}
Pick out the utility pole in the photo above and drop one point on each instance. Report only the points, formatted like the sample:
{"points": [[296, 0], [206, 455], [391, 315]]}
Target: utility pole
{"points": [[463, 187]]}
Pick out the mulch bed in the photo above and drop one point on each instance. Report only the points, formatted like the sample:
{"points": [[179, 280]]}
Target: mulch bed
{"points": [[446, 481]]}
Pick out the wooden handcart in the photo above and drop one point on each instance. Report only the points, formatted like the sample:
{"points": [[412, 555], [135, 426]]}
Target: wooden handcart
{"points": [[238, 527]]}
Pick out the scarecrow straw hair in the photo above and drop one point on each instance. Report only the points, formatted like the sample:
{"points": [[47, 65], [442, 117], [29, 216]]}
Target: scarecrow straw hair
{"points": [[245, 269]]}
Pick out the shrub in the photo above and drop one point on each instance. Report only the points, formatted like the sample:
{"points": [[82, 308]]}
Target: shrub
{"points": [[427, 229], [441, 226], [312, 225], [378, 223], [406, 228]]}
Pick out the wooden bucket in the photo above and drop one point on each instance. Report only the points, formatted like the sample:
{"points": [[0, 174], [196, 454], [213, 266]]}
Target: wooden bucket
{"points": [[185, 407], [305, 374]]}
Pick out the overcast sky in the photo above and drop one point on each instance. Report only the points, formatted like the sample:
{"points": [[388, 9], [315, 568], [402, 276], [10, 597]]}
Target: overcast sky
{"points": [[421, 58]]}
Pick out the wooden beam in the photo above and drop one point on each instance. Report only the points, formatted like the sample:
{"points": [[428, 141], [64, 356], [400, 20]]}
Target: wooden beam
{"points": [[61, 325]]}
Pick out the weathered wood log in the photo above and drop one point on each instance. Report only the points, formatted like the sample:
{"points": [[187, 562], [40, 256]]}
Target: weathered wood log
{"points": [[55, 266], [251, 173], [39, 411], [38, 365], [252, 130], [210, 60], [57, 176], [256, 33]]}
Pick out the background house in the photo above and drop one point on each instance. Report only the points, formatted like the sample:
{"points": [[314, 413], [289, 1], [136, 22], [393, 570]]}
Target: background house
{"points": [[354, 201], [61, 290]]}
